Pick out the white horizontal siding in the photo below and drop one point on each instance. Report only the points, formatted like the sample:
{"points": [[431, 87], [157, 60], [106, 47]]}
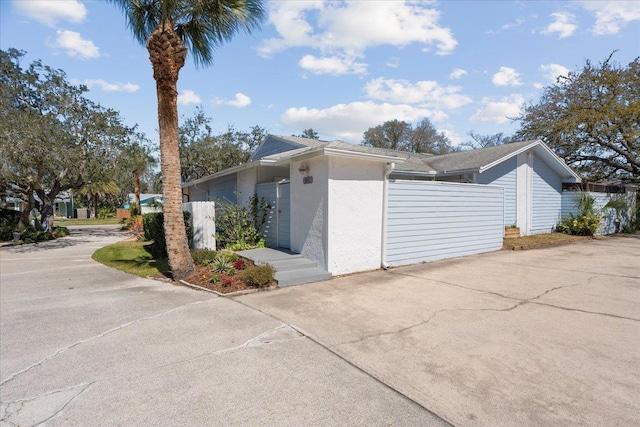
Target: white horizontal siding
{"points": [[608, 216], [428, 221], [546, 198], [505, 175]]}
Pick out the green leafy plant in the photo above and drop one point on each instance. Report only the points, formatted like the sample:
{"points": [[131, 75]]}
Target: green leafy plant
{"points": [[221, 265], [214, 279], [153, 225], [238, 228], [585, 223], [203, 256], [258, 276], [9, 220]]}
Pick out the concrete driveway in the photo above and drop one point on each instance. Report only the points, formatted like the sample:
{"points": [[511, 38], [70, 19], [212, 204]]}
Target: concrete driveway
{"points": [[533, 338], [84, 345]]}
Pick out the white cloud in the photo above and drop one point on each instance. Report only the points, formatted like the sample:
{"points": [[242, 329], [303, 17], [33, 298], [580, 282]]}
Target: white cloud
{"points": [[538, 85], [506, 77], [553, 71], [426, 92], [518, 22], [350, 121], [563, 24], [611, 16], [393, 62], [240, 100], [187, 97], [457, 73], [332, 65], [337, 29], [111, 87], [75, 46], [499, 111], [50, 12]]}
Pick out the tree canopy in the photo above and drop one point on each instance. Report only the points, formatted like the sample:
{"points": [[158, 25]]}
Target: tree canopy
{"points": [[402, 136], [52, 138], [202, 153], [591, 118]]}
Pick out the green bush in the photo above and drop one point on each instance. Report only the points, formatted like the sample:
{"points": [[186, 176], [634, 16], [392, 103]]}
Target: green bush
{"points": [[153, 225], [9, 220], [259, 276], [238, 228], [203, 256], [586, 223]]}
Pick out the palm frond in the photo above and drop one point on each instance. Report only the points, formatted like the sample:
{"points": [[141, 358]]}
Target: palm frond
{"points": [[202, 25]]}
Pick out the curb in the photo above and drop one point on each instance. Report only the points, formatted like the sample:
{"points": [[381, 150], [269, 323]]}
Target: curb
{"points": [[230, 294]]}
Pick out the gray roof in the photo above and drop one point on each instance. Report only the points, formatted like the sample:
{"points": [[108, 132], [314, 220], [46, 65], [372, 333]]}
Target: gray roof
{"points": [[475, 159]]}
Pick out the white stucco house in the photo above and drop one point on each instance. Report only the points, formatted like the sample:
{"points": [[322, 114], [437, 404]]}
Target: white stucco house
{"points": [[353, 208]]}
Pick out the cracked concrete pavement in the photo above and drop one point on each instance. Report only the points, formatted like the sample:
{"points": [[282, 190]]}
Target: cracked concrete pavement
{"points": [[532, 338], [82, 344]]}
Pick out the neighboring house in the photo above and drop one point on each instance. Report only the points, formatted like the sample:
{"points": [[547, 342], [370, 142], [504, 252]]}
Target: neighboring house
{"points": [[354, 208], [63, 205], [149, 202]]}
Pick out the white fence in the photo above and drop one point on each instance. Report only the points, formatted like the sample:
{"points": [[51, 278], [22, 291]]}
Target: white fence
{"points": [[607, 224], [204, 225]]}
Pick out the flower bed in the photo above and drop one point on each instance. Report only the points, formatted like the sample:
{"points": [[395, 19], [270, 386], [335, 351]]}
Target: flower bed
{"points": [[225, 272]]}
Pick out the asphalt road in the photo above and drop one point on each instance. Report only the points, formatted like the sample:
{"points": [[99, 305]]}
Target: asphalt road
{"points": [[82, 344]]}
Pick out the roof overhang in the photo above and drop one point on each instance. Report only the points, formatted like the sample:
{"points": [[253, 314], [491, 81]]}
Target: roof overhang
{"points": [[336, 152], [229, 171], [543, 151]]}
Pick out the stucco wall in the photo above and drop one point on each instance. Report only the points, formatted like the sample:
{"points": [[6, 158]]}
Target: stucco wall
{"points": [[355, 215], [309, 211]]}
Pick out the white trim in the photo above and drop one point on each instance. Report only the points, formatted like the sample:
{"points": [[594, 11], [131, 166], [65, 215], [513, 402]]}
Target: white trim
{"points": [[328, 151], [534, 145], [385, 207]]}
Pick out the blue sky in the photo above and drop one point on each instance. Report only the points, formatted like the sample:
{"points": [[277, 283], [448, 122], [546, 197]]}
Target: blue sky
{"points": [[340, 67]]}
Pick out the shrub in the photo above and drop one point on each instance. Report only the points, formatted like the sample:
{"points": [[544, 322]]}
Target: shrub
{"points": [[221, 265], [238, 264], [585, 223], [259, 276], [9, 220], [238, 228], [153, 226], [203, 256]]}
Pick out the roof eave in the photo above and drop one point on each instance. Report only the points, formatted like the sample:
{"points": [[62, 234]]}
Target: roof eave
{"points": [[328, 151], [234, 169]]}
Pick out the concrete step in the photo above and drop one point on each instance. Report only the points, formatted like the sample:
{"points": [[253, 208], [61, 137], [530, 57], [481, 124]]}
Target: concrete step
{"points": [[292, 263], [299, 277]]}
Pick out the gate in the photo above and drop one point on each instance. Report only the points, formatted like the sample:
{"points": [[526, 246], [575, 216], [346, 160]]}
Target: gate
{"points": [[276, 229]]}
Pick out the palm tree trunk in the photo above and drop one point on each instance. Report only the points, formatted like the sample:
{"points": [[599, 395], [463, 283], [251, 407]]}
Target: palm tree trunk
{"points": [[136, 190], [167, 54], [95, 205]]}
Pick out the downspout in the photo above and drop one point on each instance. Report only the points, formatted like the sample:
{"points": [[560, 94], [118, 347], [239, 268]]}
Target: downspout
{"points": [[385, 205]]}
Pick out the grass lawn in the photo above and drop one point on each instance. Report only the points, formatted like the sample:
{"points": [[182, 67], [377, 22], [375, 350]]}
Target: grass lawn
{"points": [[88, 221], [131, 257], [540, 240]]}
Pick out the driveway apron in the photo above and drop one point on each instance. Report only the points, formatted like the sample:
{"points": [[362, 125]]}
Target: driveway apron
{"points": [[83, 344]]}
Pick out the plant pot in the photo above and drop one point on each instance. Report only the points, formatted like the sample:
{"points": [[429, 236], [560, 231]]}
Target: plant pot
{"points": [[511, 232]]}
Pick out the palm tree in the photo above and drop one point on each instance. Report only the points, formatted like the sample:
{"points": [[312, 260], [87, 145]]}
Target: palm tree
{"points": [[170, 28], [98, 190]]}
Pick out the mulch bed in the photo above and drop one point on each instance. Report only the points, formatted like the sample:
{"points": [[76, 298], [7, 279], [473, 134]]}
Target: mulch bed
{"points": [[227, 284]]}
